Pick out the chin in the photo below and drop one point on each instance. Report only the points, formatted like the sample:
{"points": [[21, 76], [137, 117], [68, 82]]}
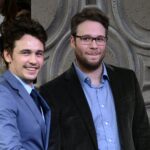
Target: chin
{"points": [[94, 63], [30, 79], [92, 66], [31, 76]]}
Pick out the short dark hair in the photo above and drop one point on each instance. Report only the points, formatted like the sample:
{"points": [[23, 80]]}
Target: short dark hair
{"points": [[17, 28], [89, 13]]}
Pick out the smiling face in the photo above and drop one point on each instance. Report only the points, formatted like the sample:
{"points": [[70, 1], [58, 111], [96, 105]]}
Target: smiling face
{"points": [[26, 59], [89, 57]]}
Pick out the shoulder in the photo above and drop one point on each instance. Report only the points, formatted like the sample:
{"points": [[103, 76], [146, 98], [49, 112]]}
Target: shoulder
{"points": [[122, 75], [61, 79], [7, 99], [54, 81], [119, 70], [5, 86], [3, 83]]}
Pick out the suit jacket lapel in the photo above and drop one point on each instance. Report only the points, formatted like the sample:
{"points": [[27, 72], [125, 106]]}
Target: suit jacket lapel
{"points": [[16, 85], [79, 98], [116, 91]]}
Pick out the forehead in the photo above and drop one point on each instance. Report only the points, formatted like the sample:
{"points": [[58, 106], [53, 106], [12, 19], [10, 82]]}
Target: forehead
{"points": [[91, 28], [29, 42]]}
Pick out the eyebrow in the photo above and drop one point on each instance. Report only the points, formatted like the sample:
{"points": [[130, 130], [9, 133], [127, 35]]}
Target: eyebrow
{"points": [[31, 50], [93, 35]]}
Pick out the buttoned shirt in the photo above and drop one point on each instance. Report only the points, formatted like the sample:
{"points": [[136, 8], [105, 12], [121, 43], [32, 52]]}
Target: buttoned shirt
{"points": [[101, 103]]}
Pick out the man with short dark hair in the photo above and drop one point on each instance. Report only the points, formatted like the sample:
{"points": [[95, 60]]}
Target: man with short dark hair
{"points": [[24, 119], [96, 106]]}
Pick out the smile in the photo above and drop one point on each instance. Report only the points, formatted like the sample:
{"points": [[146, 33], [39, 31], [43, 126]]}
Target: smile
{"points": [[32, 68], [93, 53]]}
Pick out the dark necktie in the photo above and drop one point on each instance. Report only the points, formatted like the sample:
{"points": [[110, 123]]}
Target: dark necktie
{"points": [[36, 98]]}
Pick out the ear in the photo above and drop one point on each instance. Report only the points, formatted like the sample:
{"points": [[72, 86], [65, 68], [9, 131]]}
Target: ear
{"points": [[7, 56], [72, 42]]}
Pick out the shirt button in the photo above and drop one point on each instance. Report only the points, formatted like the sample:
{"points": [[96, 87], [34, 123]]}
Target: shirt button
{"points": [[110, 140], [106, 123], [102, 106]]}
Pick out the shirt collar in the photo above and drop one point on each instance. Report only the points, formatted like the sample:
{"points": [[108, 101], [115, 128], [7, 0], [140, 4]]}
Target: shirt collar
{"points": [[83, 76], [26, 86]]}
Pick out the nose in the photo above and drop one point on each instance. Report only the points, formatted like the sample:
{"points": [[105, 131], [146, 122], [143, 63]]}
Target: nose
{"points": [[33, 59], [93, 44]]}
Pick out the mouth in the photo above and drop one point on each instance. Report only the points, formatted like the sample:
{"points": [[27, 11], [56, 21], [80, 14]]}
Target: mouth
{"points": [[32, 69], [93, 53]]}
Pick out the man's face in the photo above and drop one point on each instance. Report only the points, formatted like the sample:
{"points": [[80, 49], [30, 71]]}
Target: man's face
{"points": [[26, 59], [89, 56]]}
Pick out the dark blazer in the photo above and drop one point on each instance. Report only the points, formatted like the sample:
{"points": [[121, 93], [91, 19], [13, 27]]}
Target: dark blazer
{"points": [[72, 124], [21, 124]]}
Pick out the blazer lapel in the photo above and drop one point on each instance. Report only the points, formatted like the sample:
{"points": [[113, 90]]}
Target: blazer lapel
{"points": [[79, 98], [44, 123], [16, 85], [116, 91]]}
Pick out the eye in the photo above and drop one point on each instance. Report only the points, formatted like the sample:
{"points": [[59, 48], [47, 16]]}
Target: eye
{"points": [[39, 53], [86, 38], [101, 39]]}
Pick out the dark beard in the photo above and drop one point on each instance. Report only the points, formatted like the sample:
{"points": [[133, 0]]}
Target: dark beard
{"points": [[86, 65]]}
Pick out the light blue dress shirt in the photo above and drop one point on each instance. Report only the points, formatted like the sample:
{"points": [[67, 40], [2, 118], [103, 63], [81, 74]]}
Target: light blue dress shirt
{"points": [[101, 103]]}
